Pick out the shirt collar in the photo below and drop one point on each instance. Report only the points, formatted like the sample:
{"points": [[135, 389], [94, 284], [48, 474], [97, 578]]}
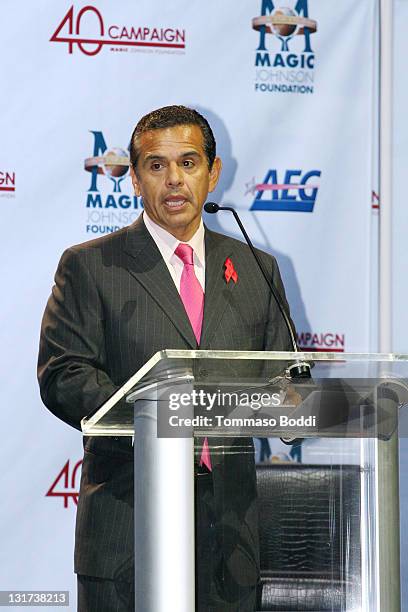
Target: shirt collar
{"points": [[168, 243]]}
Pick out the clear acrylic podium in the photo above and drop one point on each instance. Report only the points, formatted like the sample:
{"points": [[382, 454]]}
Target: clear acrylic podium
{"points": [[358, 400]]}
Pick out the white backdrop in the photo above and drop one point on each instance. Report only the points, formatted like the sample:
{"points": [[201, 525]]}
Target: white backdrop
{"points": [[291, 137]]}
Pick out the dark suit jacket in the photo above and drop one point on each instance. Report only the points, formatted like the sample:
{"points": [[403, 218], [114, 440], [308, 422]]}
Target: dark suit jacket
{"points": [[114, 305]]}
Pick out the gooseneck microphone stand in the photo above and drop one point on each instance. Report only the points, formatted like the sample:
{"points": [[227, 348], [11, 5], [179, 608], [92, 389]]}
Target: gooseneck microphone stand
{"points": [[300, 369]]}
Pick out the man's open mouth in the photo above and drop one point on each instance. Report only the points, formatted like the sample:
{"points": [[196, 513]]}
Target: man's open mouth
{"points": [[175, 203]]}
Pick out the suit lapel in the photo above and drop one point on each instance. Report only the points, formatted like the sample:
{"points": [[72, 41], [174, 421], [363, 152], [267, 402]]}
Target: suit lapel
{"points": [[147, 265], [217, 290]]}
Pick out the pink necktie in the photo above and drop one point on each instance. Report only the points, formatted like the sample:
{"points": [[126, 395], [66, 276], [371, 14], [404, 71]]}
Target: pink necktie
{"points": [[192, 296]]}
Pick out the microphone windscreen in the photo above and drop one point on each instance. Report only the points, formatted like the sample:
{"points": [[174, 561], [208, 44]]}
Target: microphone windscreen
{"points": [[211, 207]]}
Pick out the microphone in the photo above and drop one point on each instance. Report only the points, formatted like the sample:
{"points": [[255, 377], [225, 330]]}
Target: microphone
{"points": [[300, 369]]}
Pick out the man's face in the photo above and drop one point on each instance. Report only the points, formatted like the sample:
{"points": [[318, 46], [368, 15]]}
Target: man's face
{"points": [[173, 178]]}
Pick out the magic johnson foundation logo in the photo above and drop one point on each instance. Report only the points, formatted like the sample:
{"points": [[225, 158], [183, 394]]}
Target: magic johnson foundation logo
{"points": [[284, 57], [289, 191], [87, 32], [110, 203], [66, 484]]}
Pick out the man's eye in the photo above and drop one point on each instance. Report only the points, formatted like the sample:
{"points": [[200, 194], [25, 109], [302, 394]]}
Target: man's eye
{"points": [[156, 166], [187, 163]]}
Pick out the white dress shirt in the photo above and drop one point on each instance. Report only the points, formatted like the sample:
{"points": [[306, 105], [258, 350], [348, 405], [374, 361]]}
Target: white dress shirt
{"points": [[167, 244]]}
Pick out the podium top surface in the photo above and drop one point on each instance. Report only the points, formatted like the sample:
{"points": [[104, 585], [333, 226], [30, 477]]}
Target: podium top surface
{"points": [[359, 373]]}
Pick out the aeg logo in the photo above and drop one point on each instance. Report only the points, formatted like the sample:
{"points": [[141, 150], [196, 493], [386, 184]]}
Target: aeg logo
{"points": [[297, 192]]}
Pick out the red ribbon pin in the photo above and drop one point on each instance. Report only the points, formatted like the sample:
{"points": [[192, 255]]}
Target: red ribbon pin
{"points": [[230, 271]]}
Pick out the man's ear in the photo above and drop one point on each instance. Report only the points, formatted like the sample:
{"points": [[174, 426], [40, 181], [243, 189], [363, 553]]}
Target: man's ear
{"points": [[215, 174], [135, 182]]}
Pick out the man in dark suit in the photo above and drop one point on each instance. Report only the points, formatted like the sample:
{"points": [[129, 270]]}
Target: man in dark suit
{"points": [[119, 299]]}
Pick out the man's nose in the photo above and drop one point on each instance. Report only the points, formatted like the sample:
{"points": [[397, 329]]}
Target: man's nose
{"points": [[174, 176]]}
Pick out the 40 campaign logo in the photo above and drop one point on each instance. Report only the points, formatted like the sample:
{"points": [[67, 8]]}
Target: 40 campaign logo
{"points": [[7, 184], [297, 192], [107, 207], [284, 57], [66, 484], [319, 342], [88, 31]]}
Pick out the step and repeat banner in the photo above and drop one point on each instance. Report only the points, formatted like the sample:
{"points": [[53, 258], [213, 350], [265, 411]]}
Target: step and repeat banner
{"points": [[291, 100]]}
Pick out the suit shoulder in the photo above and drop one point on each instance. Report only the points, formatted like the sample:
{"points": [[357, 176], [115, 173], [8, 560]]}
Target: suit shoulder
{"points": [[112, 240], [92, 253]]}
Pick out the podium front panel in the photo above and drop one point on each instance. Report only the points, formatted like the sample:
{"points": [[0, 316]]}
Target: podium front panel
{"points": [[326, 532]]}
